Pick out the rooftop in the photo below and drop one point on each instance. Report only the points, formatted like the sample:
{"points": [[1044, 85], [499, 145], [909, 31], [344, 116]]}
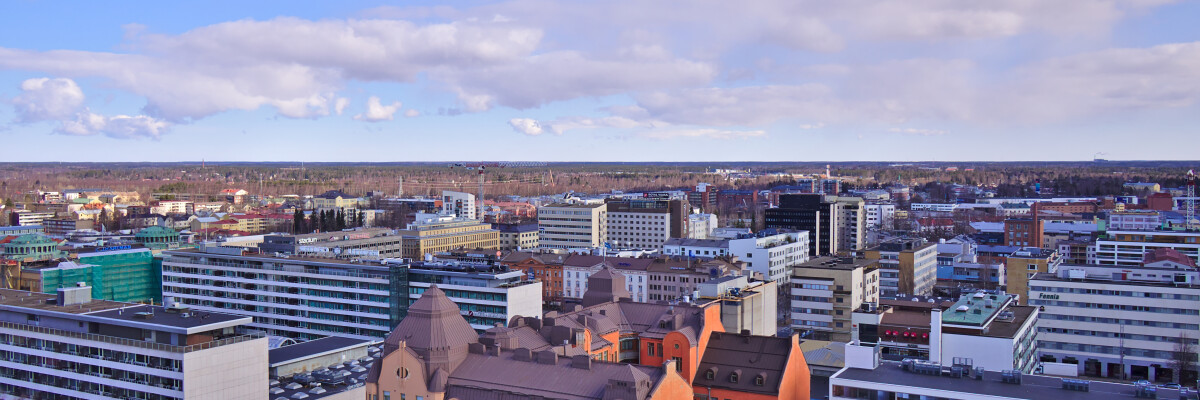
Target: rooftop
{"points": [[751, 357], [313, 348], [1032, 387], [1032, 252], [975, 308], [160, 316], [48, 302], [573, 205], [842, 263]]}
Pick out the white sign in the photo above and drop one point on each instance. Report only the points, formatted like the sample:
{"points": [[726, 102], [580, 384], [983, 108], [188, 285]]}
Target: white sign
{"points": [[312, 249]]}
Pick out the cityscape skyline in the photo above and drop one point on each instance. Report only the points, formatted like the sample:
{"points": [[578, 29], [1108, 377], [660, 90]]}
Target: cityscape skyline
{"points": [[540, 80]]}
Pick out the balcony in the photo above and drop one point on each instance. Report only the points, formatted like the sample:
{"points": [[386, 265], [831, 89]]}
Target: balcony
{"points": [[130, 342]]}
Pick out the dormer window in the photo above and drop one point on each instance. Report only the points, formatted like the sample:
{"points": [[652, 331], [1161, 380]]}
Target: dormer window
{"points": [[733, 377], [759, 380], [710, 375]]}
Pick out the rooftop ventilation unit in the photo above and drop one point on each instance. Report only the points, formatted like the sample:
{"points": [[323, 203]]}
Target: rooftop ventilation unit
{"points": [[1077, 385], [1011, 376]]}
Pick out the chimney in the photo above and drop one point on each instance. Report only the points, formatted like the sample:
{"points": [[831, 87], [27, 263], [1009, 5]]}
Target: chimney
{"points": [[548, 357], [76, 295], [582, 361]]}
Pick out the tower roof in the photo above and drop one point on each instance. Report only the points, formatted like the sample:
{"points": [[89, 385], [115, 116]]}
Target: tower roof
{"points": [[433, 322], [605, 286]]}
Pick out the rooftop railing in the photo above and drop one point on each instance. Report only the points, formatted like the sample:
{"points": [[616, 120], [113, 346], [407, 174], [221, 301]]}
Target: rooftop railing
{"points": [[132, 342]]}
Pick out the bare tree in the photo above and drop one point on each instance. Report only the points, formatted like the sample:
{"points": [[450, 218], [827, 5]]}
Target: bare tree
{"points": [[1183, 358]]}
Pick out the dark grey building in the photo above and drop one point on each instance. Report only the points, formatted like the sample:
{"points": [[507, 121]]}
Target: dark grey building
{"points": [[818, 214]]}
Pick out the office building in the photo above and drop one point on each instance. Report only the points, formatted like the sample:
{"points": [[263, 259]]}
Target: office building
{"points": [[645, 223], [572, 226], [578, 269], [69, 346], [357, 243], [459, 204], [434, 354], [28, 218], [819, 215], [679, 278], [866, 376], [702, 248], [1022, 264], [517, 236], [745, 305], [1127, 247], [990, 329], [825, 291], [20, 230], [907, 267], [1118, 322], [433, 234], [1024, 232], [60, 227]]}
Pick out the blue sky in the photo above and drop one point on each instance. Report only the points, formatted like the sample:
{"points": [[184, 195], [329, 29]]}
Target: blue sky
{"points": [[621, 80]]}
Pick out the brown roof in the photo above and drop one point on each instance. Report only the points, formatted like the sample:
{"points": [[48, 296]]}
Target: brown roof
{"points": [[1165, 254], [433, 322], [623, 263], [750, 357], [605, 286], [504, 376]]}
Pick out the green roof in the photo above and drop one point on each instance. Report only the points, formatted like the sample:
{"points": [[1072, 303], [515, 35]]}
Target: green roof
{"points": [[157, 231], [974, 308], [32, 238]]}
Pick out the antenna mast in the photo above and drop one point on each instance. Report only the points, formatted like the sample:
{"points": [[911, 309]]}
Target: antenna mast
{"points": [[1191, 199]]}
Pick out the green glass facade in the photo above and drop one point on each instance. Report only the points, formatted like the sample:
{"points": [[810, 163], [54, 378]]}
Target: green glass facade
{"points": [[128, 276]]}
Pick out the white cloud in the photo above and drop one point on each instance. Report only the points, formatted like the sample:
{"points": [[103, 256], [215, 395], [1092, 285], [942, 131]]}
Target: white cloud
{"points": [[61, 100], [118, 126], [378, 112], [44, 99], [410, 113], [340, 105], [918, 131], [705, 133], [527, 126]]}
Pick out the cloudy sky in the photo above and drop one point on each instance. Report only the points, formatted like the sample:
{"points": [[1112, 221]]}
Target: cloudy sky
{"points": [[616, 80]]}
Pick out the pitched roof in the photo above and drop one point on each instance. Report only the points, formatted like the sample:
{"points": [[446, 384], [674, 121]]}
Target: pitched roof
{"points": [[623, 263], [496, 377], [433, 322], [751, 357]]}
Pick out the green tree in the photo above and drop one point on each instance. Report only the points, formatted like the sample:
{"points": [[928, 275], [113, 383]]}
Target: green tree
{"points": [[339, 219], [298, 221], [314, 222]]}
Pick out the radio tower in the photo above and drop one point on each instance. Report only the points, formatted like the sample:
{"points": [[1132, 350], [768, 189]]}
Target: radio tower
{"points": [[1191, 198]]}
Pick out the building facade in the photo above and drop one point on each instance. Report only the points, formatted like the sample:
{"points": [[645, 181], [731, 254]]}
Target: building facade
{"points": [[439, 234], [817, 214], [907, 267], [825, 291], [568, 226]]}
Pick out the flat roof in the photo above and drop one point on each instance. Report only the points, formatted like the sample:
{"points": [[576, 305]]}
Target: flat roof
{"points": [[830, 262], [194, 318], [48, 302], [574, 205], [976, 309], [1032, 387], [313, 348]]}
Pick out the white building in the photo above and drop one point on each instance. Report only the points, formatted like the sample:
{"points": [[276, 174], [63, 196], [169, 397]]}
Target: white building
{"points": [[68, 346], [642, 229], [29, 218], [700, 226], [880, 215], [1092, 312], [572, 226], [1127, 248], [935, 207], [704, 248], [459, 204], [773, 256], [988, 328], [306, 298], [1134, 221], [577, 268]]}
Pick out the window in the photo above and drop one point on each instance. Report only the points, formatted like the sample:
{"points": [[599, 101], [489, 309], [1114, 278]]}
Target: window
{"points": [[758, 381], [710, 375], [733, 377], [678, 364], [650, 348], [387, 395]]}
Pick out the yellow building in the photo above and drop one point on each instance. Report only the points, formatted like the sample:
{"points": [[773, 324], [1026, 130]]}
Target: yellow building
{"points": [[335, 199], [825, 292], [1023, 264], [907, 267], [446, 233]]}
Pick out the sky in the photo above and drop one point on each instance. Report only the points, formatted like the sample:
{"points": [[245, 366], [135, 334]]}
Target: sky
{"points": [[615, 80]]}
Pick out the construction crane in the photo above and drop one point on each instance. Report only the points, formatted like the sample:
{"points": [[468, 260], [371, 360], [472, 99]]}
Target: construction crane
{"points": [[1191, 199], [481, 167]]}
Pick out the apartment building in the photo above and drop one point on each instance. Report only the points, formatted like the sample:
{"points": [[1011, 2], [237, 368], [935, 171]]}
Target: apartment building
{"points": [[309, 298], [879, 215], [643, 224], [1134, 220], [568, 226], [68, 346], [990, 329], [907, 267], [60, 227], [545, 267], [825, 291], [703, 248], [853, 223], [679, 278], [1127, 247], [433, 234], [1023, 264], [746, 305], [635, 271], [28, 218], [1118, 322], [700, 226], [773, 256], [334, 200], [459, 204]]}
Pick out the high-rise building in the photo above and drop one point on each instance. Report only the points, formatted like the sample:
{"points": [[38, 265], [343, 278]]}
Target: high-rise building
{"points": [[68, 346], [773, 256], [569, 226], [640, 224], [907, 267], [820, 215], [853, 224]]}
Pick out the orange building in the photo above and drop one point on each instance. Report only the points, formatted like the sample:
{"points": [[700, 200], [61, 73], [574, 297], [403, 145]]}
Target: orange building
{"points": [[741, 366], [434, 354], [545, 267]]}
